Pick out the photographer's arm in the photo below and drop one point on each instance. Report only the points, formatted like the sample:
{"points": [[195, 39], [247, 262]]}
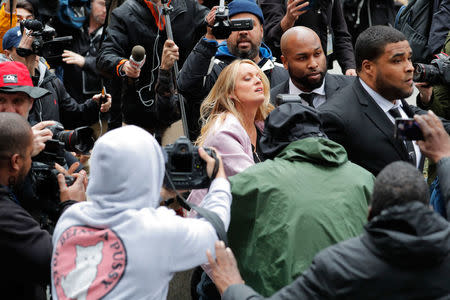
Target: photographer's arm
{"points": [[75, 192], [197, 76], [40, 136], [74, 114], [29, 60], [166, 102], [436, 146], [112, 55], [193, 236]]}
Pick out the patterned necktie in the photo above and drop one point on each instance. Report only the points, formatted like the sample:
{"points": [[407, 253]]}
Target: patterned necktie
{"points": [[409, 145]]}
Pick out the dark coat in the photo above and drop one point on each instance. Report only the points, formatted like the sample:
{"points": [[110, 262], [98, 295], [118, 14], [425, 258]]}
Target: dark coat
{"points": [[374, 12], [60, 106], [354, 120], [403, 254], [26, 250], [439, 27], [75, 78], [328, 14], [333, 84], [133, 24], [203, 67]]}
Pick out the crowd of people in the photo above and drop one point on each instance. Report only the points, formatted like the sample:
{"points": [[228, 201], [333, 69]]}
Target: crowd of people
{"points": [[315, 191]]}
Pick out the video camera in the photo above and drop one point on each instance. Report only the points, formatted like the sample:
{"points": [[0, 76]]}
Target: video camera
{"points": [[437, 72], [184, 166], [45, 43], [223, 26], [45, 189]]}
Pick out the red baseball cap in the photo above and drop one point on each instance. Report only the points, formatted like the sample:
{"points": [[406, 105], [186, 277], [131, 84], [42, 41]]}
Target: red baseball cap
{"points": [[14, 77]]}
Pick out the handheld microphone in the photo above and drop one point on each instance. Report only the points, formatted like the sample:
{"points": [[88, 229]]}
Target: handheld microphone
{"points": [[137, 58]]}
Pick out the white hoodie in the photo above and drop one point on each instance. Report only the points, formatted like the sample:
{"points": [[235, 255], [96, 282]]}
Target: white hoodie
{"points": [[119, 243]]}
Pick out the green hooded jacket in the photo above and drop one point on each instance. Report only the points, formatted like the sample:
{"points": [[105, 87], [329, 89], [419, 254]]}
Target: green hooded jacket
{"points": [[286, 210]]}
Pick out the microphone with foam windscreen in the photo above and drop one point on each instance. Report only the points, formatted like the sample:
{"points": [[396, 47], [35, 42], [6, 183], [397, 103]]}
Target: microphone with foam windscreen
{"points": [[137, 58]]}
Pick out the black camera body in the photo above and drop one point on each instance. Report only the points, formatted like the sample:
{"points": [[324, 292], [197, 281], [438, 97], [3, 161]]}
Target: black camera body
{"points": [[43, 203], [184, 166], [223, 26], [40, 32], [44, 206], [287, 98], [437, 72], [45, 43]]}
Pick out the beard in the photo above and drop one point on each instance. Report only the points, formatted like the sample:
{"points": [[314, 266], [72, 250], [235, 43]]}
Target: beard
{"points": [[391, 92], [305, 82], [244, 54], [16, 184]]}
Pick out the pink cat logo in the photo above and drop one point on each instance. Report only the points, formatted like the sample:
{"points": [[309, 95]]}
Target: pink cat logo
{"points": [[87, 263]]}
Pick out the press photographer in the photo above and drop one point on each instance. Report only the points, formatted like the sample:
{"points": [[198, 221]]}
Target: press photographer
{"points": [[123, 222], [434, 83], [17, 95], [57, 105], [26, 247]]}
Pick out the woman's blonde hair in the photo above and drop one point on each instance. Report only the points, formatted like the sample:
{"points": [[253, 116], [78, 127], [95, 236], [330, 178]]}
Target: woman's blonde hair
{"points": [[219, 99]]}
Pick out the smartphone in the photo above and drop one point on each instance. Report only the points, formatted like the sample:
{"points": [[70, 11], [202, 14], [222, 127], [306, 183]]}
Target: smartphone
{"points": [[310, 5], [407, 129]]}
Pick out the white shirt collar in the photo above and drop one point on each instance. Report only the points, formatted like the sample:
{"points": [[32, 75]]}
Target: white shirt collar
{"points": [[293, 90], [382, 102]]}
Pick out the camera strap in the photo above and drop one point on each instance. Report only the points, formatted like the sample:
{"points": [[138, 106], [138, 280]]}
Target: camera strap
{"points": [[210, 216]]}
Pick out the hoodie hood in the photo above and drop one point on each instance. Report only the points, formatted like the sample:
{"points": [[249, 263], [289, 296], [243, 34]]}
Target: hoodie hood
{"points": [[316, 150], [126, 170], [42, 70], [264, 51], [409, 235]]}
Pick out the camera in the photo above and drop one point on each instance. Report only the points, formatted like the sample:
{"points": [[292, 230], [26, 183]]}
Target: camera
{"points": [[43, 198], [287, 98], [437, 72], [223, 26], [45, 43], [184, 166]]}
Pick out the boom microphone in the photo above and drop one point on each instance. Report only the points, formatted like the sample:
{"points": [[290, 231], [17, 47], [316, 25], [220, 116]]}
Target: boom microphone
{"points": [[137, 58]]}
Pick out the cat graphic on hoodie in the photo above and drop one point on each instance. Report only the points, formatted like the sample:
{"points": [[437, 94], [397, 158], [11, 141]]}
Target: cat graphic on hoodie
{"points": [[76, 284]]}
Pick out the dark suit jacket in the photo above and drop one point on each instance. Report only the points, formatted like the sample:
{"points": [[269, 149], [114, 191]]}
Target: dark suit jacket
{"points": [[353, 119], [333, 83]]}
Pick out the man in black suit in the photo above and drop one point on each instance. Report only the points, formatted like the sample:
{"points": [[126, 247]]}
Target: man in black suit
{"points": [[303, 57], [361, 117]]}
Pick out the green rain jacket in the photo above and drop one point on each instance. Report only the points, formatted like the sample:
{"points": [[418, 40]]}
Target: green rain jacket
{"points": [[286, 210]]}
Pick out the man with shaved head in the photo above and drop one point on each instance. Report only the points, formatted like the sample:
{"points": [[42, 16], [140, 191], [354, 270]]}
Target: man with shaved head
{"points": [[303, 57]]}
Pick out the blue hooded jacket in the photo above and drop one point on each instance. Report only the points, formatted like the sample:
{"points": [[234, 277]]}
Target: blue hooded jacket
{"points": [[264, 51]]}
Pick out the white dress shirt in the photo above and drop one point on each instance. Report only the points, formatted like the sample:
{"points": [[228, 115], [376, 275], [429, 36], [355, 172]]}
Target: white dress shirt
{"points": [[319, 98]]}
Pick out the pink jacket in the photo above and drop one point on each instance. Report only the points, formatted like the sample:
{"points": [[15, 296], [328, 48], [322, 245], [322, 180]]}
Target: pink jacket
{"points": [[234, 146]]}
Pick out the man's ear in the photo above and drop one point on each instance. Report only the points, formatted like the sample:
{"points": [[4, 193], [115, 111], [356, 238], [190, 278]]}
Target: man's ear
{"points": [[284, 62], [368, 67], [14, 163]]}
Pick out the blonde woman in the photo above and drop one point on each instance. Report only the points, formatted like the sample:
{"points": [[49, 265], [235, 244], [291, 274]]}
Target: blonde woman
{"points": [[233, 117]]}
